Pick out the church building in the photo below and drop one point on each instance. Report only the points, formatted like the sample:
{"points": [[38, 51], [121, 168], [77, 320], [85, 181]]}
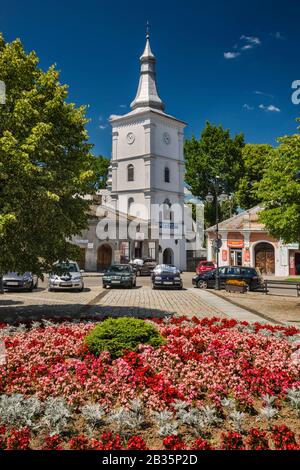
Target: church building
{"points": [[145, 184]]}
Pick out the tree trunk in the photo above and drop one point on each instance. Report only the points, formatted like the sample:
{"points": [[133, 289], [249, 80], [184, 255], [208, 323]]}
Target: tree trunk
{"points": [[1, 284]]}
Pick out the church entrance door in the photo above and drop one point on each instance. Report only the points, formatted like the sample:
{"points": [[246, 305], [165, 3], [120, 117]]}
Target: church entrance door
{"points": [[168, 256], [104, 257]]}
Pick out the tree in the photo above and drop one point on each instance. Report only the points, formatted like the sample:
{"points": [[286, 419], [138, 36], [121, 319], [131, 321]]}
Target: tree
{"points": [[256, 159], [279, 191], [46, 165], [101, 166], [214, 154]]}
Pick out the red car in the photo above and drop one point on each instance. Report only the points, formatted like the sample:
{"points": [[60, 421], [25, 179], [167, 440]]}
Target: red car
{"points": [[204, 267]]}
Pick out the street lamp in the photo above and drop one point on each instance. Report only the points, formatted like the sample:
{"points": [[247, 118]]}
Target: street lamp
{"points": [[210, 198]]}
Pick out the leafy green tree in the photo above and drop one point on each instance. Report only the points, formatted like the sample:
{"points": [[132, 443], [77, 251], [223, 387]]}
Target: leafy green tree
{"points": [[279, 191], [101, 166], [214, 154], [256, 158], [46, 165]]}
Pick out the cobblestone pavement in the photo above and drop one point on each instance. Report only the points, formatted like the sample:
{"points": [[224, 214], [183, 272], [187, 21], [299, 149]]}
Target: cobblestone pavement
{"points": [[141, 301], [145, 302], [41, 303], [277, 308]]}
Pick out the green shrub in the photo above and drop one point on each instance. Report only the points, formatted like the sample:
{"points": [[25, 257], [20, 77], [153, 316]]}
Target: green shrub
{"points": [[116, 334]]}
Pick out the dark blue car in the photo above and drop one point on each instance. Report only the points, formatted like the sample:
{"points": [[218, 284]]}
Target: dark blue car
{"points": [[165, 275]]}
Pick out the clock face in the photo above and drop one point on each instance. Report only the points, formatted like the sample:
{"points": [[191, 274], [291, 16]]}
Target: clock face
{"points": [[130, 138], [166, 138]]}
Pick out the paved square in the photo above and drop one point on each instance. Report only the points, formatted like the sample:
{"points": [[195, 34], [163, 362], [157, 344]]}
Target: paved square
{"points": [[145, 302]]}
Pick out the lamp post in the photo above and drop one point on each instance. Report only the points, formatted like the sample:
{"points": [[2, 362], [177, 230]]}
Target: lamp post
{"points": [[210, 198]]}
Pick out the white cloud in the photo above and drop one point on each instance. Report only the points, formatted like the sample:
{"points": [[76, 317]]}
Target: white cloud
{"points": [[248, 107], [253, 40], [247, 46], [102, 127], [249, 42], [123, 105], [270, 108], [231, 55], [262, 93]]}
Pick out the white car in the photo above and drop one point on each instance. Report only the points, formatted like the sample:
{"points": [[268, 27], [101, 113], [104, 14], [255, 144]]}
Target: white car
{"points": [[66, 275]]}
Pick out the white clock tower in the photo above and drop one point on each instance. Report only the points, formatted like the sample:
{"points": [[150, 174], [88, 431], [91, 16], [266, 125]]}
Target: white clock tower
{"points": [[147, 162]]}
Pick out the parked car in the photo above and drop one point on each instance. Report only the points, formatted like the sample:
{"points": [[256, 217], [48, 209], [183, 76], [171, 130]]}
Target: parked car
{"points": [[205, 266], [119, 275], [16, 281], [241, 273], [66, 275], [166, 275], [143, 267], [146, 269]]}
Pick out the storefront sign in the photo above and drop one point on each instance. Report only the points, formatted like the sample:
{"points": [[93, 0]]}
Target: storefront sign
{"points": [[235, 243], [81, 242]]}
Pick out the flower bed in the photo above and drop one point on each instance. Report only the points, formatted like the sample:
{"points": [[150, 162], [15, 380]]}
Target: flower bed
{"points": [[213, 384]]}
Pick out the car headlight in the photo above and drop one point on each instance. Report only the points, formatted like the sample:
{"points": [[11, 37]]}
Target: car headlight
{"points": [[157, 278], [177, 278]]}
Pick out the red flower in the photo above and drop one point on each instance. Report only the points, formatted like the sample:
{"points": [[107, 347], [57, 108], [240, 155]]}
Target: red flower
{"points": [[136, 443], [18, 440], [232, 441], [174, 443], [201, 444], [79, 442], [257, 440], [284, 438], [52, 443]]}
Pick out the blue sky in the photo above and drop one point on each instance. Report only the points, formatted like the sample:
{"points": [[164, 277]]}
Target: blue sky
{"points": [[231, 63]]}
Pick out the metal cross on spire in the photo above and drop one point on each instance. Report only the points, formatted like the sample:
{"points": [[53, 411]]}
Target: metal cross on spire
{"points": [[147, 30]]}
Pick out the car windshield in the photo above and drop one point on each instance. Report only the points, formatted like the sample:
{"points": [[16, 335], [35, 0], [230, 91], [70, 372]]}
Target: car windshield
{"points": [[166, 268], [119, 269], [208, 264], [62, 268]]}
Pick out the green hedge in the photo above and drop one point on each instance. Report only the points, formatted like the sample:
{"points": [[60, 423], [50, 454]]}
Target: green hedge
{"points": [[116, 334]]}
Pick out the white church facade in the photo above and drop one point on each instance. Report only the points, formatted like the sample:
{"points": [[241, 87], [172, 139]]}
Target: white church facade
{"points": [[145, 187]]}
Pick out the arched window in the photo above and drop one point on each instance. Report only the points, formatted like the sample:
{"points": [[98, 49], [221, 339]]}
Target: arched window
{"points": [[167, 209], [167, 175], [129, 204], [130, 173]]}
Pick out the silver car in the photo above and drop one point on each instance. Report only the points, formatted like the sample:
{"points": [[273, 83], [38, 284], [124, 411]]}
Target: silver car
{"points": [[16, 281], [66, 275]]}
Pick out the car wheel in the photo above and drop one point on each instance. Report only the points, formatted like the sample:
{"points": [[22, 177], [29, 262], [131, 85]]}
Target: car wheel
{"points": [[30, 289], [202, 284]]}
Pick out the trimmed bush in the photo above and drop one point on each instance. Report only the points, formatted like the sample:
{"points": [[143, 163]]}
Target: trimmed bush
{"points": [[118, 334]]}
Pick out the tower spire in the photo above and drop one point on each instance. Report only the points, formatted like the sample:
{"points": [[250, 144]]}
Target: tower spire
{"points": [[147, 95]]}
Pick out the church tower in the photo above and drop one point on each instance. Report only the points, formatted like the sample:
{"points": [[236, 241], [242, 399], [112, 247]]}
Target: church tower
{"points": [[147, 163]]}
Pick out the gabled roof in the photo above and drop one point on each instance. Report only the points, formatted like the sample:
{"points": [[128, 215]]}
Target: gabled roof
{"points": [[244, 221]]}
